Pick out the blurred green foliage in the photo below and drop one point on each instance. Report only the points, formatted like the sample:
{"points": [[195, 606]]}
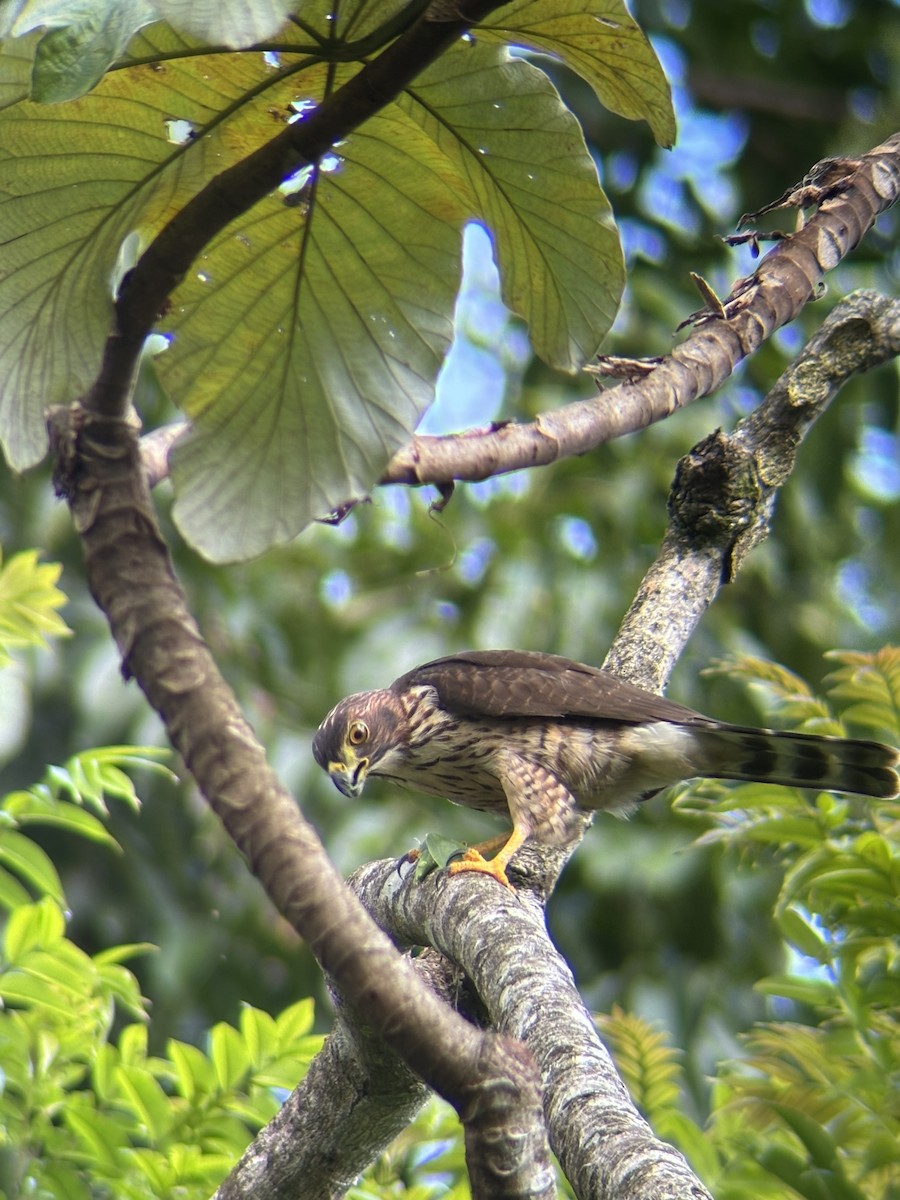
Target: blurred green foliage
{"points": [[547, 560], [85, 1113], [808, 1107]]}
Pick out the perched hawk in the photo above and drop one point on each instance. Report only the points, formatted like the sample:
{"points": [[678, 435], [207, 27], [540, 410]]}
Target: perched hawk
{"points": [[541, 738]]}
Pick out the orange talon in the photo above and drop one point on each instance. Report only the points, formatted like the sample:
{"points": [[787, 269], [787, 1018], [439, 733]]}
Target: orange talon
{"points": [[472, 860]]}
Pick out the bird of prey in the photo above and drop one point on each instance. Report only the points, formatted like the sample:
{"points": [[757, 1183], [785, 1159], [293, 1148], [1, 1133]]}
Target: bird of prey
{"points": [[543, 738]]}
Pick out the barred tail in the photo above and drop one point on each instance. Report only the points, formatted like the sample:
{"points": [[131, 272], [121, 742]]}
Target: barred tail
{"points": [[801, 760]]}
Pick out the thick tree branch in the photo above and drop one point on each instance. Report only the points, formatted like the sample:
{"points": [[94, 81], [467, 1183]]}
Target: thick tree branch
{"points": [[785, 280], [491, 1082], [725, 488], [324, 1136], [606, 1148], [362, 1094], [721, 505]]}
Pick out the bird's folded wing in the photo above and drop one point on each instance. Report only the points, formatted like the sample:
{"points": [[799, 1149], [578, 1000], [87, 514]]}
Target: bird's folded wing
{"points": [[519, 683]]}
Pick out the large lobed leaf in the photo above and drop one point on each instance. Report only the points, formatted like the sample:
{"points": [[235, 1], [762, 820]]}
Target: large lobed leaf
{"points": [[306, 344], [602, 42]]}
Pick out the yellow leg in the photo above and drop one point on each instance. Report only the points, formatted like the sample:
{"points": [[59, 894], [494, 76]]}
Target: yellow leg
{"points": [[534, 798]]}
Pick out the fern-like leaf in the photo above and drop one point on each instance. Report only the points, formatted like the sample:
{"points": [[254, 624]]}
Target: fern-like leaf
{"points": [[29, 599], [647, 1063], [868, 687], [781, 691]]}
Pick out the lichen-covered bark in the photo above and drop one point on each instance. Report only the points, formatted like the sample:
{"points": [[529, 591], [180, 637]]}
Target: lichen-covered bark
{"points": [[721, 504], [604, 1145]]}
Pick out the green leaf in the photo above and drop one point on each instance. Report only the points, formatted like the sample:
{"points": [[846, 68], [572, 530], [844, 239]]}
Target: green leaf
{"points": [[334, 359], [65, 968], [194, 1073], [306, 343], [877, 850], [12, 894], [780, 830], [122, 986], [818, 993], [869, 686], [72, 58], [93, 776], [260, 1035], [101, 1137], [103, 1072], [600, 41], [29, 599], [648, 1064], [521, 155], [146, 1099], [38, 807], [294, 1023], [854, 882], [693, 1142], [233, 23], [59, 1179], [437, 852], [118, 954], [86, 778], [797, 930], [31, 862], [156, 1169], [818, 1141], [781, 689], [229, 1056], [133, 1045], [788, 1166], [883, 1150], [31, 926], [74, 180], [18, 988]]}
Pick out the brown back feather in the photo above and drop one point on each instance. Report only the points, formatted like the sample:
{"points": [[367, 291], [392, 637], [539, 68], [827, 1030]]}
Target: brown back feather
{"points": [[521, 683]]}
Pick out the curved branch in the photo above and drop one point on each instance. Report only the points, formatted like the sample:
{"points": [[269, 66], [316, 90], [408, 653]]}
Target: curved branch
{"points": [[725, 488], [491, 1082], [785, 280], [721, 505], [605, 1147]]}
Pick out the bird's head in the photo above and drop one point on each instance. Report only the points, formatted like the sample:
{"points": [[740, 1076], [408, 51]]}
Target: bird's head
{"points": [[361, 736]]}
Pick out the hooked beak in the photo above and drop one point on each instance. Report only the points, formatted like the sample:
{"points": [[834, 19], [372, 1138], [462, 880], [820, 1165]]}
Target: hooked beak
{"points": [[349, 778]]}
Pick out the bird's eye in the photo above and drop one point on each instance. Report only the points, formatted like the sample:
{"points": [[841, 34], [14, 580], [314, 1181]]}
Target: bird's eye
{"points": [[358, 733]]}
